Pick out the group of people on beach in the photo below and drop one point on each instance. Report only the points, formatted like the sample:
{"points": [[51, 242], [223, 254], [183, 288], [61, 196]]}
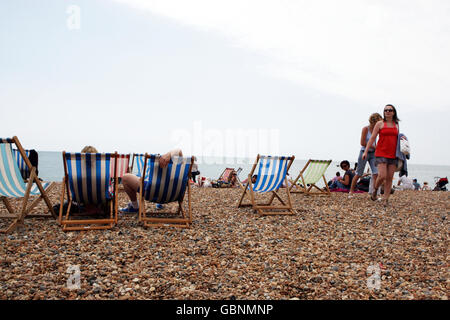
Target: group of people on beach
{"points": [[380, 147], [384, 156]]}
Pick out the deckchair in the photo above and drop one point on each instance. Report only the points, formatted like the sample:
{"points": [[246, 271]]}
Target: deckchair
{"points": [[23, 168], [166, 185], [123, 161], [311, 174], [12, 185], [225, 175], [87, 181], [271, 174], [139, 158]]}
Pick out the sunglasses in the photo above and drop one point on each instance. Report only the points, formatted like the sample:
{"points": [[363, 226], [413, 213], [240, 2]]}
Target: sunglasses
{"points": [[388, 110]]}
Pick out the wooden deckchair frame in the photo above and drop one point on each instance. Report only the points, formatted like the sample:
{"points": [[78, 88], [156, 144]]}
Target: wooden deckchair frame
{"points": [[24, 212], [304, 188], [267, 208], [87, 224], [184, 221]]}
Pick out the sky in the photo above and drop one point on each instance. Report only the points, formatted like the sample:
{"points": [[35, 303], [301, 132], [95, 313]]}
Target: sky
{"points": [[224, 78]]}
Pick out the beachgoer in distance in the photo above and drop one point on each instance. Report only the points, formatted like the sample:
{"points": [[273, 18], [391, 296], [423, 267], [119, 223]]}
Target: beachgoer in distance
{"points": [[416, 184], [232, 178], [253, 179], [194, 170], [366, 133], [131, 182], [345, 181], [426, 187], [338, 174], [385, 153], [404, 183]]}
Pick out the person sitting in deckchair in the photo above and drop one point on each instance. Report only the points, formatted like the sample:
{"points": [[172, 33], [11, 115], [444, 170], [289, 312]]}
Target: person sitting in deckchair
{"points": [[254, 177], [131, 182]]}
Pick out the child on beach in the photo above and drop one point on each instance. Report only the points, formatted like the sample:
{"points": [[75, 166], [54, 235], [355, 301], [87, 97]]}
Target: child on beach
{"points": [[426, 187]]}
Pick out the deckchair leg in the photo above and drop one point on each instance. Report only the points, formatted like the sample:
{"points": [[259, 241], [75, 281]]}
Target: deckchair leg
{"points": [[7, 205], [244, 192], [61, 201], [326, 185]]}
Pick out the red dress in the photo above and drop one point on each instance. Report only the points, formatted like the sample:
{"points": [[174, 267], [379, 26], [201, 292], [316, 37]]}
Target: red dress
{"points": [[387, 143]]}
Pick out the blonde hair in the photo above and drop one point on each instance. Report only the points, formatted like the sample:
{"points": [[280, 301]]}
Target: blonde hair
{"points": [[374, 118], [89, 149]]}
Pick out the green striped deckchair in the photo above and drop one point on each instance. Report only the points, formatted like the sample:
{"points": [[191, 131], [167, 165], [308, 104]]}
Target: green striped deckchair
{"points": [[310, 175], [12, 185]]}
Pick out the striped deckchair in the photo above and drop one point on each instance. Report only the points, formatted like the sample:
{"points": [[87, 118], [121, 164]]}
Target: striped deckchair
{"points": [[123, 161], [165, 185], [24, 171], [139, 159], [310, 175], [271, 175], [87, 181], [225, 175], [12, 185]]}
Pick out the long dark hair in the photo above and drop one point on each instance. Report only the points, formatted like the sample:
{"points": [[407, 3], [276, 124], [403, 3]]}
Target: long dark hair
{"points": [[394, 118]]}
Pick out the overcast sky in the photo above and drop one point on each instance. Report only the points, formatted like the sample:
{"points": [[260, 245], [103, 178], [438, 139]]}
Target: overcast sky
{"points": [[300, 76]]}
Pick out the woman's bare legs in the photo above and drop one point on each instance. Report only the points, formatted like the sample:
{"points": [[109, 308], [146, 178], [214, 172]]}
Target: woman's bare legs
{"points": [[388, 181]]}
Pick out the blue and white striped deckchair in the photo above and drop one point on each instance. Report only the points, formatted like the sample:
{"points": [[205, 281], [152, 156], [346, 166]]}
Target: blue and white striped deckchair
{"points": [[310, 175], [24, 171], [88, 178], [165, 185], [12, 184], [140, 159], [272, 173]]}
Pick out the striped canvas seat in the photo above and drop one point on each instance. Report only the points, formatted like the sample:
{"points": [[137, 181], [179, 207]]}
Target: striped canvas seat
{"points": [[140, 159], [225, 174], [168, 184], [310, 175], [12, 185], [24, 171], [11, 180], [165, 185], [123, 161], [272, 172], [89, 177]]}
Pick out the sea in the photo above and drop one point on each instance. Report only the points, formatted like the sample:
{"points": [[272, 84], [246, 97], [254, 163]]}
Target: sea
{"points": [[51, 168]]}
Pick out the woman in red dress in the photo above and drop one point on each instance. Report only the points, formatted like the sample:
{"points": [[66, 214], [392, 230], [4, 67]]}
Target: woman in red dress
{"points": [[385, 152]]}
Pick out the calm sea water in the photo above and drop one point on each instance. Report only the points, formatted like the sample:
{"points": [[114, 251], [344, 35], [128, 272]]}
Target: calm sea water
{"points": [[51, 168]]}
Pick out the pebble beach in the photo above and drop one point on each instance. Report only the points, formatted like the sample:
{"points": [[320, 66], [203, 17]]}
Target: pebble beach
{"points": [[332, 248]]}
